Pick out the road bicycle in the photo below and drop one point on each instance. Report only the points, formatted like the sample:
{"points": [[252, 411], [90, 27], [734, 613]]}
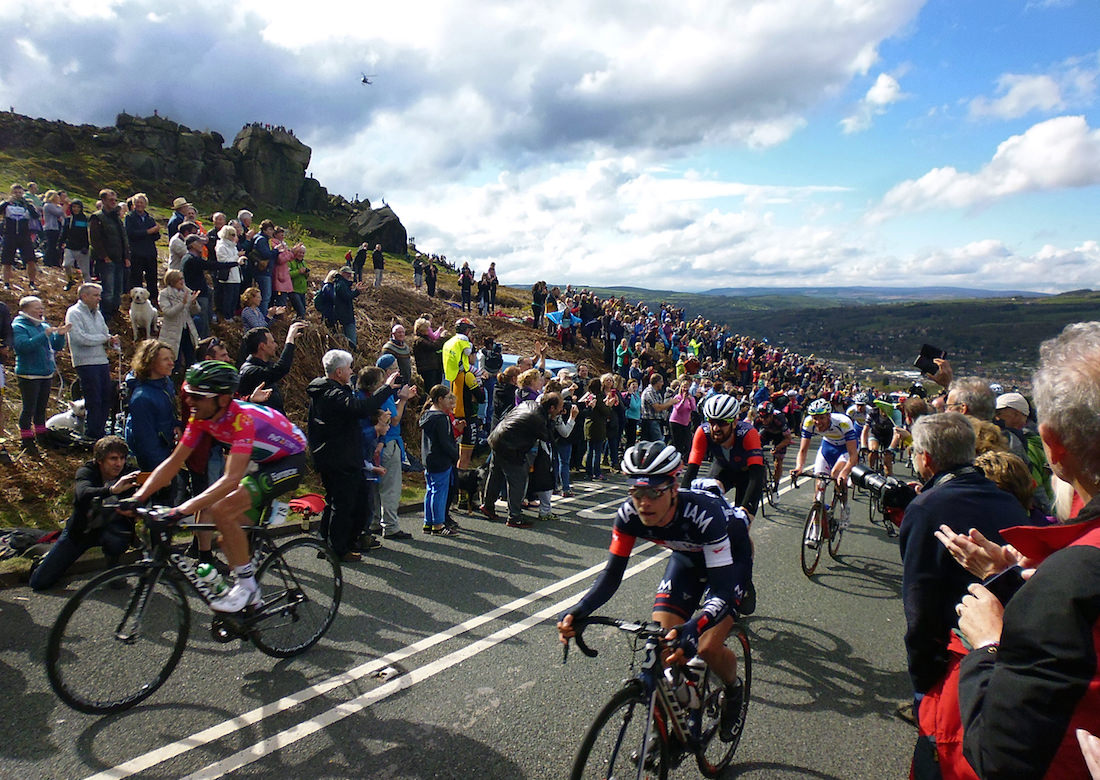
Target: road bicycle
{"points": [[119, 638], [662, 714], [823, 524], [771, 484]]}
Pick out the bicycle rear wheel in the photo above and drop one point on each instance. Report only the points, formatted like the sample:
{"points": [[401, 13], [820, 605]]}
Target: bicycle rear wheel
{"points": [[118, 639], [810, 542], [301, 584], [615, 742], [715, 755]]}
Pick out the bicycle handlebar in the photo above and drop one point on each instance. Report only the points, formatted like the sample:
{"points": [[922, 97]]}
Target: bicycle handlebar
{"points": [[647, 629]]}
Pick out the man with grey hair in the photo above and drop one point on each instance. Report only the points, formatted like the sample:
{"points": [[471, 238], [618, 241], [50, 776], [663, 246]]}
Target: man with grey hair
{"points": [[971, 395], [336, 444], [88, 340], [958, 495], [1032, 679]]}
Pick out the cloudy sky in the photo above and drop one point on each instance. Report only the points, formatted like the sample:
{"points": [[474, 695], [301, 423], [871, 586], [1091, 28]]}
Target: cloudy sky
{"points": [[680, 146]]}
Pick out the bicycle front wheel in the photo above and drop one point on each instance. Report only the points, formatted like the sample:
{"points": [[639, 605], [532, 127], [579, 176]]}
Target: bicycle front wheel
{"points": [[811, 538], [118, 639], [615, 743], [301, 585], [714, 754]]}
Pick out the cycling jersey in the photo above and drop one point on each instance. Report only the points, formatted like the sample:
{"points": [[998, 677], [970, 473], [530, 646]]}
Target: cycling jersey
{"points": [[856, 416], [882, 427], [840, 430], [745, 451], [708, 538], [265, 434]]}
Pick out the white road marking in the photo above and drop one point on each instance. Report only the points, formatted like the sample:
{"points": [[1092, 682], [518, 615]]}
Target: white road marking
{"points": [[220, 730], [291, 735]]}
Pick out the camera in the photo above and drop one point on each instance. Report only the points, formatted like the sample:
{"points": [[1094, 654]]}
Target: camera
{"points": [[494, 360], [891, 491]]}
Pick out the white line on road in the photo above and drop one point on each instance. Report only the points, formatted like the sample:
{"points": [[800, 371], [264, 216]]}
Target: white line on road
{"points": [[220, 730], [301, 730]]}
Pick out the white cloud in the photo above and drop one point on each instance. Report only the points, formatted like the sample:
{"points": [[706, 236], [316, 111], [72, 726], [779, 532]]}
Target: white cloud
{"points": [[1020, 95], [885, 91], [1068, 84], [1056, 154]]}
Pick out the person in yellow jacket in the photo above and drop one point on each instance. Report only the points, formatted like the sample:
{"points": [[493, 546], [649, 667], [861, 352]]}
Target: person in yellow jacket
{"points": [[457, 351]]}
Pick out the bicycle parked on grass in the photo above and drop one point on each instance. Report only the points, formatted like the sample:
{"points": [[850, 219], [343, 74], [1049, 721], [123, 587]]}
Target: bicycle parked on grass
{"points": [[825, 522], [119, 638], [663, 713]]}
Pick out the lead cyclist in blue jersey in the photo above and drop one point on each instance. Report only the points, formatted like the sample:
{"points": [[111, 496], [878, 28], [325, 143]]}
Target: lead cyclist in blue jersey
{"points": [[711, 563]]}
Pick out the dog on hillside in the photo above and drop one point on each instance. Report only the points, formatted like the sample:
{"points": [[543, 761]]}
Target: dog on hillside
{"points": [[143, 315]]}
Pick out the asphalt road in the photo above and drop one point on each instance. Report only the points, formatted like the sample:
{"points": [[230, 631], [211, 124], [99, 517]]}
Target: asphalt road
{"points": [[443, 663]]}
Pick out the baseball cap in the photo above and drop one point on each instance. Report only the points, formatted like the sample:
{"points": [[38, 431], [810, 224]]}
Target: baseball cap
{"points": [[1014, 401]]}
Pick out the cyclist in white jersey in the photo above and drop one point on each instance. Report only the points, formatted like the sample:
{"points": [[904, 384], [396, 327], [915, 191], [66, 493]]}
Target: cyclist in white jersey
{"points": [[839, 447]]}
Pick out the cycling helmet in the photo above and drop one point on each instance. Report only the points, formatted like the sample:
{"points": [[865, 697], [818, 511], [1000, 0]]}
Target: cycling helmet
{"points": [[861, 398], [918, 390], [464, 325], [211, 378], [765, 407], [721, 407], [996, 388], [820, 406], [649, 462]]}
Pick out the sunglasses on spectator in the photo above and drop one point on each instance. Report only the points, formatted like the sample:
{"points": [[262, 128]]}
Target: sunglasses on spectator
{"points": [[650, 493]]}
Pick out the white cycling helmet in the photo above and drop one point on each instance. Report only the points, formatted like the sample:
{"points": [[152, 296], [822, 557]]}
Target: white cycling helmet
{"points": [[651, 461], [721, 407], [820, 406], [996, 388], [861, 398]]}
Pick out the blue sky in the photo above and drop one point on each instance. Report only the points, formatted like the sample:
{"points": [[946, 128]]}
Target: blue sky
{"points": [[773, 142]]}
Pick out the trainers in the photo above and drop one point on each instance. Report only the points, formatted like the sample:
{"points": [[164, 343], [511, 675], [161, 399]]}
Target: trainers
{"points": [[426, 529], [237, 598], [489, 513], [568, 494], [349, 557], [519, 522], [444, 530], [369, 542], [731, 721], [550, 516], [398, 535]]}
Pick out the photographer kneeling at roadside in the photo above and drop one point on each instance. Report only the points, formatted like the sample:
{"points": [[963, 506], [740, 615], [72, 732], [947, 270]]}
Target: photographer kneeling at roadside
{"points": [[89, 525]]}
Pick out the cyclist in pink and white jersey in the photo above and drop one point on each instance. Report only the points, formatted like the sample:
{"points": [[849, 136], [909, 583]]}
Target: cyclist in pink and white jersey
{"points": [[266, 459]]}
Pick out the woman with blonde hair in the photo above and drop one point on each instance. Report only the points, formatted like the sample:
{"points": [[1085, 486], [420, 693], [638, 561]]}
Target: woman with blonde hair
{"points": [[177, 305], [229, 270]]}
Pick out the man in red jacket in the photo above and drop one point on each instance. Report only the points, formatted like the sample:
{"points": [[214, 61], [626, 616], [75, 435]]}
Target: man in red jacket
{"points": [[1032, 678]]}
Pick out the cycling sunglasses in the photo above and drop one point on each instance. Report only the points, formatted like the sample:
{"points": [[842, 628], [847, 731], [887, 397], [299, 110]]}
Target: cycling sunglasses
{"points": [[650, 493], [719, 422]]}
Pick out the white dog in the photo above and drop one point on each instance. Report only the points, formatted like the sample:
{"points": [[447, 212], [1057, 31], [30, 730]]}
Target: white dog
{"points": [[143, 315]]}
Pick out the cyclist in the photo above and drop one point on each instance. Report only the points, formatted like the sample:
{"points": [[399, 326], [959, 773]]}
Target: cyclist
{"points": [[838, 452], [711, 564], [734, 447], [857, 413], [877, 435], [773, 428], [266, 459]]}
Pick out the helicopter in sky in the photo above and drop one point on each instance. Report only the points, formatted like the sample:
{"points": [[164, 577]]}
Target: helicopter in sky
{"points": [[367, 79]]}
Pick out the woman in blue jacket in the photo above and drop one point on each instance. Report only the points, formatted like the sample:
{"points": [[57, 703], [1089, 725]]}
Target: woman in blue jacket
{"points": [[153, 422], [35, 343]]}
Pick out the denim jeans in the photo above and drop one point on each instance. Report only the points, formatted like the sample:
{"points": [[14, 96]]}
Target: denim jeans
{"points": [[202, 319], [95, 381], [114, 538], [651, 431], [298, 301], [263, 281], [437, 484], [113, 277], [564, 453], [592, 458], [349, 331]]}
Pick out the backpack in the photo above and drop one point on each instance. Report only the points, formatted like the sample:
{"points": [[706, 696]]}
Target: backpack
{"points": [[325, 300]]}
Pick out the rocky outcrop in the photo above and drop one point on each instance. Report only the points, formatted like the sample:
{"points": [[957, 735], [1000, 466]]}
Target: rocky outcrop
{"points": [[378, 226], [264, 166]]}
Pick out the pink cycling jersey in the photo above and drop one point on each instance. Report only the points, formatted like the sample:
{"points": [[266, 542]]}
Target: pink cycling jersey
{"points": [[265, 434]]}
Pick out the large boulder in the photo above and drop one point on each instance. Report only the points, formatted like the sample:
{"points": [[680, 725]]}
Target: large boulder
{"points": [[272, 164], [378, 226], [312, 196]]}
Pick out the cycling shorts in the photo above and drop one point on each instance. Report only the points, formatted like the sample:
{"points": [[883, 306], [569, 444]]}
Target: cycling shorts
{"points": [[271, 480], [683, 587], [828, 456]]}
